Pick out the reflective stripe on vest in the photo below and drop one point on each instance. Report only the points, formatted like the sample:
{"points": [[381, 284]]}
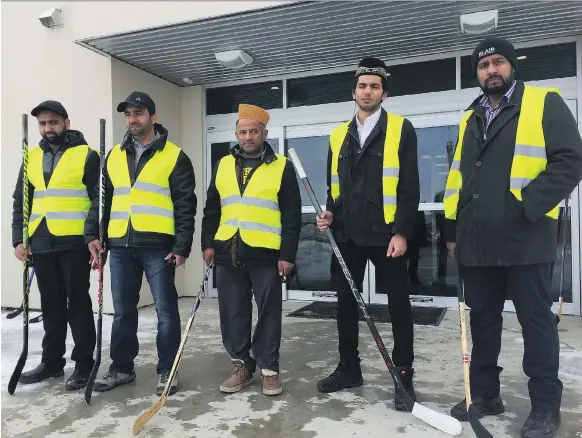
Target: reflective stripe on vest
{"points": [[529, 156], [390, 164], [65, 202], [256, 213], [148, 203]]}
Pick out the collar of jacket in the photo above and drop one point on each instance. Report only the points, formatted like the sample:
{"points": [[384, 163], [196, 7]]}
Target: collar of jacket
{"points": [[353, 126], [158, 145], [72, 138], [268, 155], [516, 98]]}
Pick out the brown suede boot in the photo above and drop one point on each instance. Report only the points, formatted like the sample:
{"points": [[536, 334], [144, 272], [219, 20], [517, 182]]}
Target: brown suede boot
{"points": [[239, 378], [271, 383]]}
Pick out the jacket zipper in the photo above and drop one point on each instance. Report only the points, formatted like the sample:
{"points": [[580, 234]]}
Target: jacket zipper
{"points": [[242, 189]]}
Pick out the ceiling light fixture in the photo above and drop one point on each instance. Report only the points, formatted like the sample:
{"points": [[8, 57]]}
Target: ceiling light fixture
{"points": [[521, 58], [479, 22], [188, 81], [234, 59]]}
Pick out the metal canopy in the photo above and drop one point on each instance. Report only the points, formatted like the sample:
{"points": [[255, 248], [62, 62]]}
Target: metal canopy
{"points": [[307, 36]]}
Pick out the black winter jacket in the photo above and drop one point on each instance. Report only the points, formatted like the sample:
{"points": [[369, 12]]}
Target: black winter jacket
{"points": [[289, 205], [182, 185], [359, 211], [493, 228], [43, 241]]}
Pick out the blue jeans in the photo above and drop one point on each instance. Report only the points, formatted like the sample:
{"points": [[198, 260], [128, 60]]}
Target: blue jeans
{"points": [[127, 268]]}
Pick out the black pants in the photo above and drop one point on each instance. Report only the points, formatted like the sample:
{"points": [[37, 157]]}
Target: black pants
{"points": [[235, 292], [486, 289], [392, 279], [63, 281]]}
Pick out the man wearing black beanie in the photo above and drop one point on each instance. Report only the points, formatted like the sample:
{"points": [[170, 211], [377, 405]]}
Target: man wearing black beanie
{"points": [[519, 154], [372, 204]]}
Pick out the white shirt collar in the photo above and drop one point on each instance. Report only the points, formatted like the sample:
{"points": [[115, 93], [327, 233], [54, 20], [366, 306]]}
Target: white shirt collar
{"points": [[371, 119]]}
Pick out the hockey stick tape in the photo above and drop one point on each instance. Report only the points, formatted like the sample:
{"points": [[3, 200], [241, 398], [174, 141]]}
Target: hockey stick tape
{"points": [[297, 163]]}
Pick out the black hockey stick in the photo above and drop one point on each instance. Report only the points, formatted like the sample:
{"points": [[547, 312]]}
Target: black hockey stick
{"points": [[148, 415], [563, 261], [18, 311], [476, 425], [26, 264], [438, 420], [93, 375]]}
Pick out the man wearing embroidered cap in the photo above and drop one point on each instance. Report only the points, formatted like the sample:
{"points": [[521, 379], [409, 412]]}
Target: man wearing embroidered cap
{"points": [[518, 155], [372, 205], [148, 218], [63, 175], [250, 230]]}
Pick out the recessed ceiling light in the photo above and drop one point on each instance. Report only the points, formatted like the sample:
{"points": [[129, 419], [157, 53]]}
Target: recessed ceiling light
{"points": [[388, 73], [522, 57], [274, 87], [188, 80]]}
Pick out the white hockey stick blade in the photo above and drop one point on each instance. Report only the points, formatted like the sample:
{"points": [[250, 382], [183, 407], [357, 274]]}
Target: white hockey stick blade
{"points": [[439, 421]]}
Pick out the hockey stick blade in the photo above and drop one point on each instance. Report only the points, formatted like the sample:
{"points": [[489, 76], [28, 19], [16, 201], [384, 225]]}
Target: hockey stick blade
{"points": [[148, 415], [478, 428], [14, 313], [439, 421]]}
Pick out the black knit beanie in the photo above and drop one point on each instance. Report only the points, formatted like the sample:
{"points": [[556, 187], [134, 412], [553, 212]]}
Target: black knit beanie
{"points": [[491, 45]]}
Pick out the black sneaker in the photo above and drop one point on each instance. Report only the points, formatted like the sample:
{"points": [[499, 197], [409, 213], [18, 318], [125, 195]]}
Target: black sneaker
{"points": [[489, 406], [77, 380], [406, 378], [40, 373], [541, 424], [346, 375]]}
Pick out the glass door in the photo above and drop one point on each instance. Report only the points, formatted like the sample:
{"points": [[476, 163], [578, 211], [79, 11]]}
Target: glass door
{"points": [[313, 280], [432, 274], [218, 145]]}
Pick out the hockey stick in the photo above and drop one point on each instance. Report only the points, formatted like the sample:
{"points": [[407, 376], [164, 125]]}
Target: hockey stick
{"points": [[93, 375], [18, 311], [563, 261], [438, 420], [26, 264], [147, 415], [476, 425]]}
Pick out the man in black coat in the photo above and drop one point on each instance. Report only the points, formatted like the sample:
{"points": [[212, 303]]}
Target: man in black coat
{"points": [[372, 205], [148, 222], [63, 183], [518, 156]]}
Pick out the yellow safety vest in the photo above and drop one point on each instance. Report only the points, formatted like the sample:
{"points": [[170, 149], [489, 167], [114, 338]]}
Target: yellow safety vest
{"points": [[529, 156], [65, 202], [256, 213], [148, 203], [391, 162]]}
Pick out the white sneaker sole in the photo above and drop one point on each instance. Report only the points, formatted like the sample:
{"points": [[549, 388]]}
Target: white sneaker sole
{"points": [[273, 391], [230, 390]]}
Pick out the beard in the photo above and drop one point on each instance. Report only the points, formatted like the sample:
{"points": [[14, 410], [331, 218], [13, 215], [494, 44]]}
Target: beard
{"points": [[55, 139], [500, 88]]}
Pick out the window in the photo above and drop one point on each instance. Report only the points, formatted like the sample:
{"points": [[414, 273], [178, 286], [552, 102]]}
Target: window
{"points": [[422, 77], [317, 90], [544, 62], [225, 100], [312, 152], [433, 164]]}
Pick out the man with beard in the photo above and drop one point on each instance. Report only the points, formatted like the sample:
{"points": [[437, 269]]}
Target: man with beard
{"points": [[148, 216], [63, 184], [519, 154], [250, 230], [372, 205]]}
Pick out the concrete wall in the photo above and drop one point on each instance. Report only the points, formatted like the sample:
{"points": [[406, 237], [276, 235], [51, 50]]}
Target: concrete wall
{"points": [[40, 63]]}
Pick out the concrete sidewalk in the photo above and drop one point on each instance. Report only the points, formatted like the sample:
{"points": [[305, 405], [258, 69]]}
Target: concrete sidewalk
{"points": [[309, 352]]}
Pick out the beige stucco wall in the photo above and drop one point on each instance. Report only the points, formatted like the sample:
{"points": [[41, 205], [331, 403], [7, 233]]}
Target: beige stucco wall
{"points": [[40, 63]]}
